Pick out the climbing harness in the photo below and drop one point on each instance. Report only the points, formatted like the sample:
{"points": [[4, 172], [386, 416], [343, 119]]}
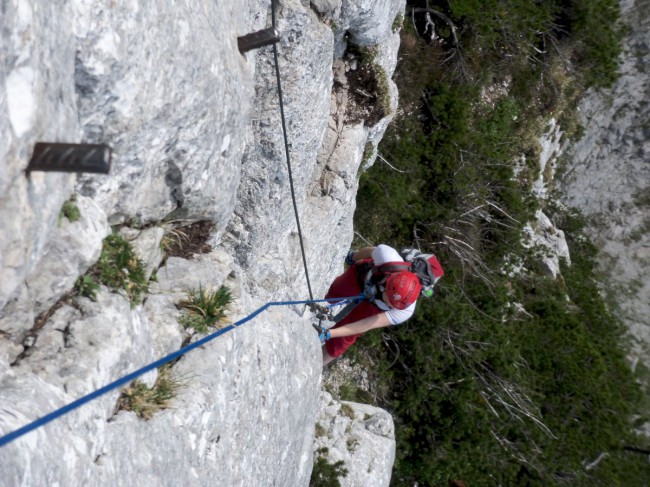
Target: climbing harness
{"points": [[324, 313], [340, 316]]}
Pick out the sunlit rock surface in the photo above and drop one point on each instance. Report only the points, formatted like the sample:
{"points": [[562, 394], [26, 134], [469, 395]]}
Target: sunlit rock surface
{"points": [[361, 436], [196, 135], [608, 177]]}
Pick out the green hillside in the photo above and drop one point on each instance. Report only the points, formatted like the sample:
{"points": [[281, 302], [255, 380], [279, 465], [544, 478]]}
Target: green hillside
{"points": [[505, 377]]}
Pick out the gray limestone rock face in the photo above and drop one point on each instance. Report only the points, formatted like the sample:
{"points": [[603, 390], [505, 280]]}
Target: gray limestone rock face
{"points": [[179, 275], [549, 243], [73, 247], [370, 22], [325, 151], [77, 351], [608, 177], [196, 134], [360, 435], [147, 246], [326, 7], [15, 319], [71, 250], [37, 103], [176, 115], [164, 319], [264, 213], [82, 348], [244, 409]]}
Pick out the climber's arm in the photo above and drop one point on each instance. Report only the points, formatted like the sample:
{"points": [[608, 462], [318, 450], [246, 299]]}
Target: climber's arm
{"points": [[361, 326]]}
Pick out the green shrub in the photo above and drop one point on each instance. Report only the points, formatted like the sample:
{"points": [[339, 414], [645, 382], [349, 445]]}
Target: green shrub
{"points": [[87, 286], [204, 309], [505, 33], [70, 210], [479, 391], [349, 391], [325, 474], [596, 33], [120, 269]]}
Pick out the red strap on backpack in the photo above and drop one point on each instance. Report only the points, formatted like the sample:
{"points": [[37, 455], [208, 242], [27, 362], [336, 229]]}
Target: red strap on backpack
{"points": [[390, 267]]}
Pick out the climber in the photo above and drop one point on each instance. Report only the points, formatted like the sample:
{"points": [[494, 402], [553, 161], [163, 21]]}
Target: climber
{"points": [[392, 284]]}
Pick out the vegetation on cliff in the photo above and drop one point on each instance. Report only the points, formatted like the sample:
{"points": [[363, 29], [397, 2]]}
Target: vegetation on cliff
{"points": [[508, 376]]}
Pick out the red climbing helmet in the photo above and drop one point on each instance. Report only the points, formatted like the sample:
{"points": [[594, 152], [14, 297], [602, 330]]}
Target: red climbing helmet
{"points": [[402, 289]]}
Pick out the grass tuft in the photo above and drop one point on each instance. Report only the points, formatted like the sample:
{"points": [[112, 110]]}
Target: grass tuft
{"points": [[120, 269], [347, 410], [204, 308], [319, 430], [146, 401], [70, 210], [87, 287]]}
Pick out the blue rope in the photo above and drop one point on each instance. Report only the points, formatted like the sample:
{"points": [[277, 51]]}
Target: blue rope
{"points": [[154, 365]]}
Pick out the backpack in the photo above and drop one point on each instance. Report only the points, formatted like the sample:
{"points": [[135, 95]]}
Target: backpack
{"points": [[425, 266]]}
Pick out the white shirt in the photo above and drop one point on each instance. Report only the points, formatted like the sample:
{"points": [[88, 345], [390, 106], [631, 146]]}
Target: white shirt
{"points": [[381, 255]]}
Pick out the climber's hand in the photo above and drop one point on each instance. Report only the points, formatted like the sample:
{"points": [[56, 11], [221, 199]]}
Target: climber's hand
{"points": [[323, 333], [324, 336], [349, 259]]}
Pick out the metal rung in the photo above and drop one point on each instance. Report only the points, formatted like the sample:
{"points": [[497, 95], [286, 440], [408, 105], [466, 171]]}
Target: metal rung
{"points": [[258, 39], [89, 158]]}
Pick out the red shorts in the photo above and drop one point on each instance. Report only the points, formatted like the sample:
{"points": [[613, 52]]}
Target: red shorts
{"points": [[345, 286]]}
